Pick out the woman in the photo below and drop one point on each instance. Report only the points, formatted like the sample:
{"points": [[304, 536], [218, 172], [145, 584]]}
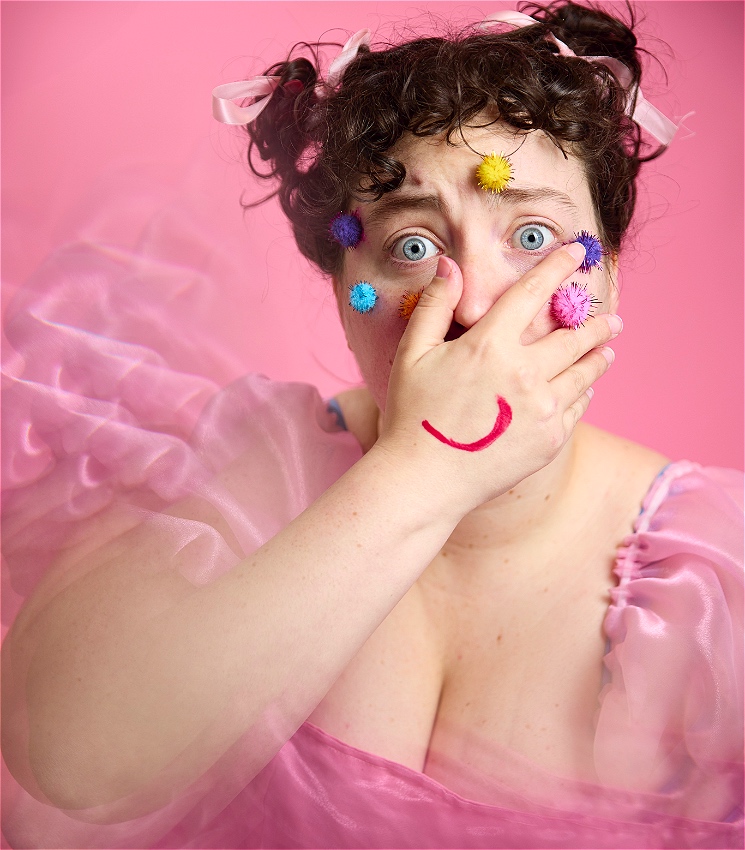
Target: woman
{"points": [[438, 618]]}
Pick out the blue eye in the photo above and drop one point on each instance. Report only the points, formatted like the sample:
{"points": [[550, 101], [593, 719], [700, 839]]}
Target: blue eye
{"points": [[414, 248], [531, 237]]}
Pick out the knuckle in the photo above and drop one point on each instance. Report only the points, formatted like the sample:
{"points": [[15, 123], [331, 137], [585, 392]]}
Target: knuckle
{"points": [[556, 439], [546, 408], [602, 332], [526, 376], [571, 345], [580, 384], [532, 284], [430, 298]]}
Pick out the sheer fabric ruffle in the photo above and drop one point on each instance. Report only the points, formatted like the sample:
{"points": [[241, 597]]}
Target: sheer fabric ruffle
{"points": [[111, 418]]}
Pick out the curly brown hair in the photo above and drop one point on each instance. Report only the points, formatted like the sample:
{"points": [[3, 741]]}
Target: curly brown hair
{"points": [[329, 151]]}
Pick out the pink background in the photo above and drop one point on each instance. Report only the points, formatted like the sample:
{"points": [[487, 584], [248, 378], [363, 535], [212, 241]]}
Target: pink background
{"points": [[94, 90]]}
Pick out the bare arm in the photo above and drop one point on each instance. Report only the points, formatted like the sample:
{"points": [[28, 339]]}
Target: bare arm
{"points": [[127, 672], [133, 671]]}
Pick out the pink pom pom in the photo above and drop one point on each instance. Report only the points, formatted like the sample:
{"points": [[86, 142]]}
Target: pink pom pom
{"points": [[572, 304]]}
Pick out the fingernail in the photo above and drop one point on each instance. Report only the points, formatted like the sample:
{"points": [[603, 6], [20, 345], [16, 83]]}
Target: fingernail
{"points": [[590, 392], [615, 323], [576, 250], [443, 268], [608, 353]]}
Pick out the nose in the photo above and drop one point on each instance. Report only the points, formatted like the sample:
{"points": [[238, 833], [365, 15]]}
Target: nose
{"points": [[486, 277]]}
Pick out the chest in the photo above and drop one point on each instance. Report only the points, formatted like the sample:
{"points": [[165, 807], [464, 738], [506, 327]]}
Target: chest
{"points": [[458, 670]]}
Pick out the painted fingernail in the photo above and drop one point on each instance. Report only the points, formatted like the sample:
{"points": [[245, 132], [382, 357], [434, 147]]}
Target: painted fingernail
{"points": [[443, 268], [590, 392], [576, 250], [615, 323], [608, 353]]}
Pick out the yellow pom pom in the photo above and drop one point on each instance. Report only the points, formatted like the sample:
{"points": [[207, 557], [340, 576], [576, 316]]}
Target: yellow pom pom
{"points": [[494, 173], [409, 300]]}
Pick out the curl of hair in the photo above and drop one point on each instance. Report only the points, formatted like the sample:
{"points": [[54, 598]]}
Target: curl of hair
{"points": [[328, 152]]}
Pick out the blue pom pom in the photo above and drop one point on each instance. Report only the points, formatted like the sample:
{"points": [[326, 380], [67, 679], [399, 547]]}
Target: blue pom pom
{"points": [[346, 229], [362, 297], [594, 251]]}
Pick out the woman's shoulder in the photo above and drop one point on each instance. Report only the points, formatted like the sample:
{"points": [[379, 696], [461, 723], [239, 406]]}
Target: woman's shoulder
{"points": [[674, 694], [673, 505], [360, 415]]}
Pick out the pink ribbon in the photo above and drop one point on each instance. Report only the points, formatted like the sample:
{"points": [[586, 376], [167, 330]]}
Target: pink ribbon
{"points": [[648, 117], [348, 53], [227, 112]]}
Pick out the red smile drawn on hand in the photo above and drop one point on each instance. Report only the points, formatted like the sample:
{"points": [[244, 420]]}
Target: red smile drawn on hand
{"points": [[504, 418]]}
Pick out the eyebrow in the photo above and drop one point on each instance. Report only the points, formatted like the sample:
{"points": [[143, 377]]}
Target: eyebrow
{"points": [[392, 205]]}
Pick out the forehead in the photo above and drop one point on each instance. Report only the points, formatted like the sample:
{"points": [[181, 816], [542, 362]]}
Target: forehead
{"points": [[540, 169]]}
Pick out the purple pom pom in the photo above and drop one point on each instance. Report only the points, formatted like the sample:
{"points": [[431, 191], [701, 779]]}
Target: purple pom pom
{"points": [[572, 304], [594, 251], [346, 229]]}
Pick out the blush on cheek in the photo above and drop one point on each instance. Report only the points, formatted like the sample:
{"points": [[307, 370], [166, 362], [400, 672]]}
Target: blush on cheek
{"points": [[374, 338]]}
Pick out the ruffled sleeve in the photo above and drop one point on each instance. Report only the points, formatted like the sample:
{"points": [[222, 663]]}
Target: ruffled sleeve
{"points": [[114, 419], [671, 715]]}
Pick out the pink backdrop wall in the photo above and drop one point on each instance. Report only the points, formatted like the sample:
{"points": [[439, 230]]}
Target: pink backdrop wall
{"points": [[95, 89]]}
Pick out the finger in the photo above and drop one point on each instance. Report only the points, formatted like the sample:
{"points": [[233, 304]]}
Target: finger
{"points": [[574, 382], [565, 346], [576, 411], [433, 313], [522, 302]]}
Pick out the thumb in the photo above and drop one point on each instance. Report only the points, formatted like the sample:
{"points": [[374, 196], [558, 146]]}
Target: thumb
{"points": [[433, 313]]}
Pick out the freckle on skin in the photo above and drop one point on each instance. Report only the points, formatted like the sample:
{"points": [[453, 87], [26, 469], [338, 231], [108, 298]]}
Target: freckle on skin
{"points": [[548, 496], [499, 637]]}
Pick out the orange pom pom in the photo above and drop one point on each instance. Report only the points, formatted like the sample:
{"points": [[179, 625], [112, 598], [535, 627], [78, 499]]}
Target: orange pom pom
{"points": [[409, 300]]}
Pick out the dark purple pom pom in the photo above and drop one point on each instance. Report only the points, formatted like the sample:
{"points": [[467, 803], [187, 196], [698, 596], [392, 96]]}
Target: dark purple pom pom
{"points": [[346, 229], [594, 251]]}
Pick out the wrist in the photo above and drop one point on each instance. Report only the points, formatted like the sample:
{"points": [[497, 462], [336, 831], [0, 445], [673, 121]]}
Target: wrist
{"points": [[415, 484]]}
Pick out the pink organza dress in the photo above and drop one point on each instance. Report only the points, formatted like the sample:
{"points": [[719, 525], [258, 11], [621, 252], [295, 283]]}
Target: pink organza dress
{"points": [[107, 401]]}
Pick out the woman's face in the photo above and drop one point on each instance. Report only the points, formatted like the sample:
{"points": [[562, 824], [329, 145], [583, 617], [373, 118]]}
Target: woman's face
{"points": [[440, 209]]}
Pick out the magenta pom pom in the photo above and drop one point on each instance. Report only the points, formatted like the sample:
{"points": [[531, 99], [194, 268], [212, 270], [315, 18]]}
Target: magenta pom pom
{"points": [[346, 229], [572, 304], [594, 251]]}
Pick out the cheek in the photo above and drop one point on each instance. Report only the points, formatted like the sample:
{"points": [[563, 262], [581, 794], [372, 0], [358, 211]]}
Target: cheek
{"points": [[374, 338]]}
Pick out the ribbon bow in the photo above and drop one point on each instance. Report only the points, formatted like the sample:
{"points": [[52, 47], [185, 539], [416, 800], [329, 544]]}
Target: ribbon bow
{"points": [[224, 110], [644, 114]]}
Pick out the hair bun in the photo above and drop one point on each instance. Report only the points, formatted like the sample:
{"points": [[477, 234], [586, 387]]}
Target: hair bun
{"points": [[591, 32]]}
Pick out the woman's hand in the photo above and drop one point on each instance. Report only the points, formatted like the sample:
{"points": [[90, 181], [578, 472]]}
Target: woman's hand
{"points": [[482, 412]]}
